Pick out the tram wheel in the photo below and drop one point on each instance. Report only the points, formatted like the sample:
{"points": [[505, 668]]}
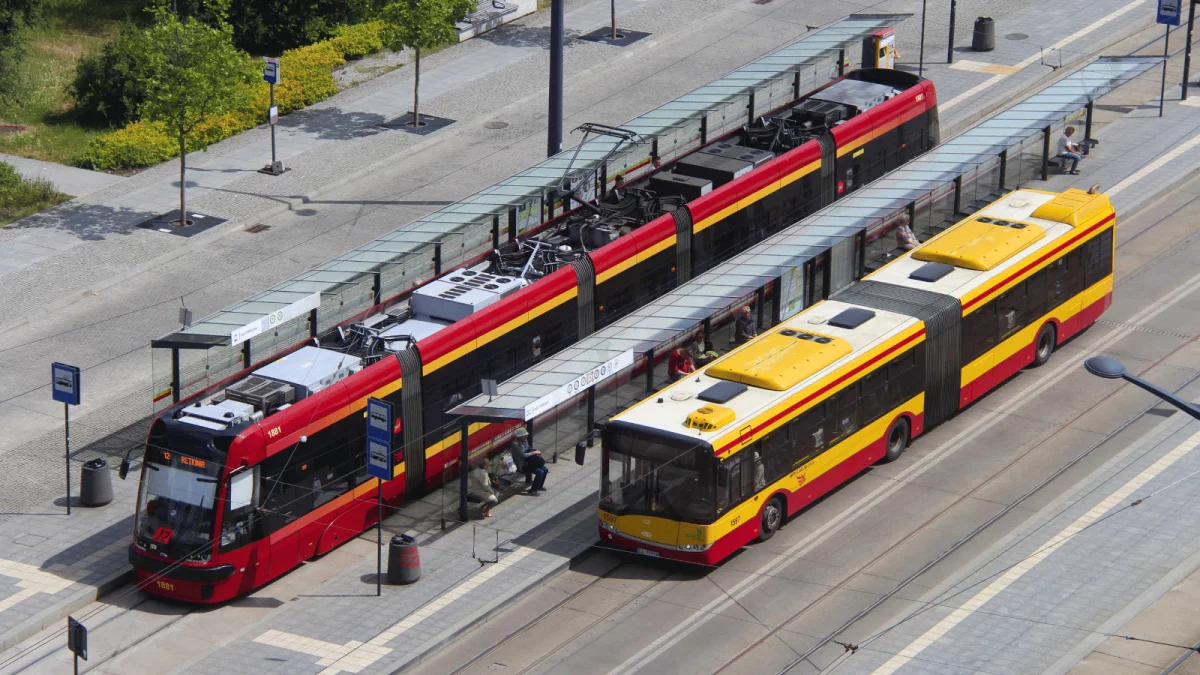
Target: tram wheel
{"points": [[1043, 345], [897, 440], [772, 518]]}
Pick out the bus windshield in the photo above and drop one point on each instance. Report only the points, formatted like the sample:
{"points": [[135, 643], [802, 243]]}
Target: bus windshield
{"points": [[655, 476], [176, 505]]}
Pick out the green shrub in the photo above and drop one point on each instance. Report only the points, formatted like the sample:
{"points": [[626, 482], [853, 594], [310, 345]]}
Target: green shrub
{"points": [[20, 197], [137, 145], [110, 85], [307, 78], [355, 42]]}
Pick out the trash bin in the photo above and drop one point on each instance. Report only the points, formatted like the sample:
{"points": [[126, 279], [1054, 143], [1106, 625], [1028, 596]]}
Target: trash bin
{"points": [[404, 561], [984, 38], [96, 489]]}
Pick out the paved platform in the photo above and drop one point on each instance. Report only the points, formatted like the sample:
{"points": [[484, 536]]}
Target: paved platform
{"points": [[66, 179], [382, 198]]}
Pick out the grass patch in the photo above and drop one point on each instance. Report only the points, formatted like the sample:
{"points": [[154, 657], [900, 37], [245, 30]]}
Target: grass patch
{"points": [[41, 104], [20, 197]]}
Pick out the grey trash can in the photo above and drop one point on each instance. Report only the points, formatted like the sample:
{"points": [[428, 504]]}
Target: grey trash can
{"points": [[984, 37], [96, 489], [404, 560]]}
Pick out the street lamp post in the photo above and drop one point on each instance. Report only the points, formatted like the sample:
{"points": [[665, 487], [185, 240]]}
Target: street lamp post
{"points": [[1111, 369]]}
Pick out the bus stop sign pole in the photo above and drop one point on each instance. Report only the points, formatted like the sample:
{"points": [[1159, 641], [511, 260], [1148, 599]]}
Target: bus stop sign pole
{"points": [[77, 640], [379, 465], [1168, 15], [64, 386]]}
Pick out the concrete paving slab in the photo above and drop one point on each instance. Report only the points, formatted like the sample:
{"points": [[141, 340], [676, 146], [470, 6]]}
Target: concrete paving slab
{"points": [[66, 179]]}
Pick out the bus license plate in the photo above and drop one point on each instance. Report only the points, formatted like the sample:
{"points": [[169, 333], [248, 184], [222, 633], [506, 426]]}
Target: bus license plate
{"points": [[646, 551]]}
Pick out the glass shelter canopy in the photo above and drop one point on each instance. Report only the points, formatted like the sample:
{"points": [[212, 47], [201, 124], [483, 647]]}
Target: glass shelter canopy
{"points": [[927, 179], [461, 231]]}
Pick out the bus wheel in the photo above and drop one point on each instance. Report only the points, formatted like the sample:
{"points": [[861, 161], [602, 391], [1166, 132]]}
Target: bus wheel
{"points": [[1044, 345], [772, 518], [897, 440]]}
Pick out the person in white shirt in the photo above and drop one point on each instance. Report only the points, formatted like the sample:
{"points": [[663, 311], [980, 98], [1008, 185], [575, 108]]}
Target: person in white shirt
{"points": [[481, 487], [1068, 149]]}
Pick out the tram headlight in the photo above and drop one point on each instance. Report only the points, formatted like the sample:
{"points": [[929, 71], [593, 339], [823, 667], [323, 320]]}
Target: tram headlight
{"points": [[227, 538]]}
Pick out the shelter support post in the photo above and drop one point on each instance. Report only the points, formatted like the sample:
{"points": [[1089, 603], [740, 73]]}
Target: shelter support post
{"points": [[463, 460]]}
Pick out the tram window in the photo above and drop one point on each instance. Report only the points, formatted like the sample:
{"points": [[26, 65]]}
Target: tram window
{"points": [[240, 525]]}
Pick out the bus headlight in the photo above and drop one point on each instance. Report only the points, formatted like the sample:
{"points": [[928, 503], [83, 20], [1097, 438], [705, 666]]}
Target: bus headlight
{"points": [[607, 525], [697, 548]]}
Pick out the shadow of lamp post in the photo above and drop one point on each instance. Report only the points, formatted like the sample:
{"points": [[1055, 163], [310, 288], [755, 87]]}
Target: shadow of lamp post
{"points": [[1111, 369]]}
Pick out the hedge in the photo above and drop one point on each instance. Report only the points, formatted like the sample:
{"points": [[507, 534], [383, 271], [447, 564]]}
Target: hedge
{"points": [[307, 74]]}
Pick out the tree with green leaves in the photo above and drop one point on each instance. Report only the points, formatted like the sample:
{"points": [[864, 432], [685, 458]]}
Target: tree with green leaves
{"points": [[15, 17], [422, 24], [194, 72]]}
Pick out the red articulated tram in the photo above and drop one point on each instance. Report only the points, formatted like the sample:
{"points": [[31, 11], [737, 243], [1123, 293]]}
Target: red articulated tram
{"points": [[250, 477]]}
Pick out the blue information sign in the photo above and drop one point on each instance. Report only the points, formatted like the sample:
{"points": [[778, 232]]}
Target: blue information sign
{"points": [[1168, 12], [270, 70], [64, 383], [379, 439]]}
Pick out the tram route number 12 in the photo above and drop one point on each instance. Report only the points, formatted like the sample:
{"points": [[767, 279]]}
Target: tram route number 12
{"points": [[163, 535]]}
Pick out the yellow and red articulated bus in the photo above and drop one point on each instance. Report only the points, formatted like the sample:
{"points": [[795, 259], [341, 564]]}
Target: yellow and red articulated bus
{"points": [[723, 457]]}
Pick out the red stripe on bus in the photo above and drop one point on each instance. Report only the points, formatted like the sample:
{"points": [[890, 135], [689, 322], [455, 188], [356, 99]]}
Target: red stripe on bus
{"points": [[879, 357], [1049, 254]]}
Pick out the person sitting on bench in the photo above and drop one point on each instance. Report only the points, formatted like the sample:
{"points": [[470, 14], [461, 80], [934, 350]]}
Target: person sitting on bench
{"points": [[481, 487], [1069, 149]]}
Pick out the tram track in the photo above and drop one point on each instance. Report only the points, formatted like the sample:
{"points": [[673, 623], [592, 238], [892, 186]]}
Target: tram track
{"points": [[1163, 251], [1128, 276]]}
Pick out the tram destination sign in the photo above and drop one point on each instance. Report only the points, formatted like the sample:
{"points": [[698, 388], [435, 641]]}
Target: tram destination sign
{"points": [[279, 316], [580, 384]]}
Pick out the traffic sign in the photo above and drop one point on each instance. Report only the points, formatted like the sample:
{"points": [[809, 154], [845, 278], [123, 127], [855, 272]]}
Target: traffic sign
{"points": [[379, 438], [1168, 12], [64, 383], [273, 115], [270, 70], [77, 638]]}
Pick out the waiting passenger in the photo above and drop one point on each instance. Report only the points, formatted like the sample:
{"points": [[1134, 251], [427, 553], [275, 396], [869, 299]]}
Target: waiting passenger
{"points": [[745, 328], [701, 354], [481, 488], [679, 365], [905, 239], [528, 461], [1069, 149]]}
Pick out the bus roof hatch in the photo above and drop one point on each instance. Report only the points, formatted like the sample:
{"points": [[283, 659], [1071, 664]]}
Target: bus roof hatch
{"points": [[979, 244], [780, 360]]}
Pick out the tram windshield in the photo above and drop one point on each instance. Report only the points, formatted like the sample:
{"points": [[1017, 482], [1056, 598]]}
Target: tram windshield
{"points": [[176, 505], [656, 476]]}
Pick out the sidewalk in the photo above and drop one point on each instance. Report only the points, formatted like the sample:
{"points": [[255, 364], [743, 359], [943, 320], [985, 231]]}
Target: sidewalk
{"points": [[687, 49], [1042, 598], [65, 179]]}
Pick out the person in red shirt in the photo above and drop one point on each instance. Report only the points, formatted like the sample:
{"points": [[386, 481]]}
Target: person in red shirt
{"points": [[680, 364]]}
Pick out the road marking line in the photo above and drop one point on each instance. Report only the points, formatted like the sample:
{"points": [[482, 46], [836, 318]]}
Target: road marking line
{"points": [[1028, 61], [1155, 165], [1053, 544], [852, 513], [984, 67], [354, 656]]}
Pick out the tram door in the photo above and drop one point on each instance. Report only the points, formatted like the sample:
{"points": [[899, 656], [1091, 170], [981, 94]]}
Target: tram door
{"points": [[879, 50]]}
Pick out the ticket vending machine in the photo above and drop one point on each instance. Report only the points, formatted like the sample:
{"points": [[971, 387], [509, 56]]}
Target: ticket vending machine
{"points": [[879, 50]]}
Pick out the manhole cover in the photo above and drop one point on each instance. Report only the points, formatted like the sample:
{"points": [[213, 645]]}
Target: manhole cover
{"points": [[495, 124], [1016, 36]]}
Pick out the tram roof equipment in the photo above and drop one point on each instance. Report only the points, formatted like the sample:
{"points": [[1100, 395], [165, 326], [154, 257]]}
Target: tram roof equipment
{"points": [[663, 320]]}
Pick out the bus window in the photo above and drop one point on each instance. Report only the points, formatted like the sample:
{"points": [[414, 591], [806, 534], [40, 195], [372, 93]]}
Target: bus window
{"points": [[845, 421], [979, 332], [876, 396], [809, 431], [776, 457], [1059, 282], [1010, 311], [1036, 295]]}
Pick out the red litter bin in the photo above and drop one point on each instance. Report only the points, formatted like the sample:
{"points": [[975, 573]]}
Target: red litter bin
{"points": [[404, 560]]}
